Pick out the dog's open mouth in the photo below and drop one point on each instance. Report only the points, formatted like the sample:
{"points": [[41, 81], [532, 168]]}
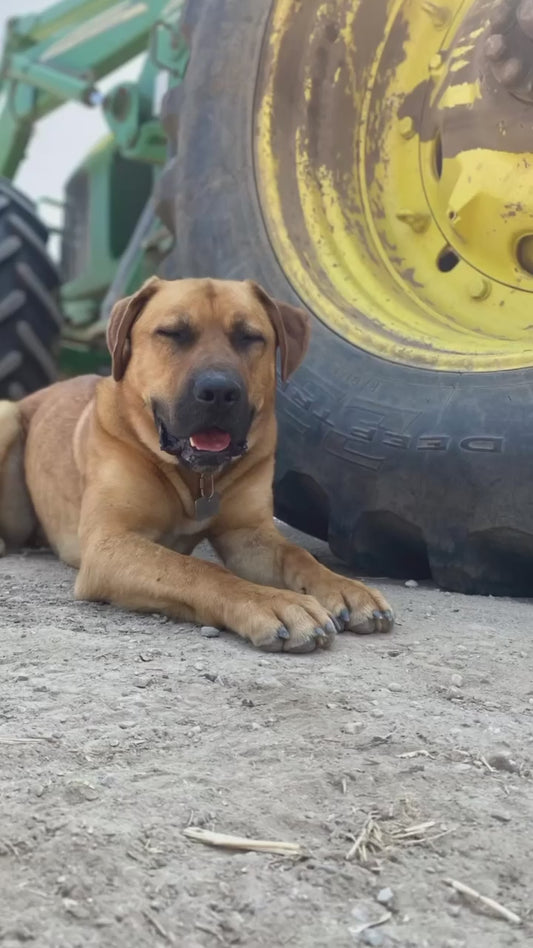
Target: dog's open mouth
{"points": [[207, 449], [211, 440]]}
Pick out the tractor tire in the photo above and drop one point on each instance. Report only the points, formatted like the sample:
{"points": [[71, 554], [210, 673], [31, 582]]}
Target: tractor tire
{"points": [[408, 472], [30, 320]]}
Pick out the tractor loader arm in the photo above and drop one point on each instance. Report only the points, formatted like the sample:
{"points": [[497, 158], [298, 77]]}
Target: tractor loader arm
{"points": [[59, 55]]}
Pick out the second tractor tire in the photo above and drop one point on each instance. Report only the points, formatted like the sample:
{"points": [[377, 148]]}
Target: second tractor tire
{"points": [[30, 319]]}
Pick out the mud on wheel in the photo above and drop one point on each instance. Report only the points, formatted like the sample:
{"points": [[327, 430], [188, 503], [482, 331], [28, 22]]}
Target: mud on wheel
{"points": [[30, 319], [370, 161]]}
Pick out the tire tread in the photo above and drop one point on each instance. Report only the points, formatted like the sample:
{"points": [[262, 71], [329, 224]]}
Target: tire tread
{"points": [[30, 318]]}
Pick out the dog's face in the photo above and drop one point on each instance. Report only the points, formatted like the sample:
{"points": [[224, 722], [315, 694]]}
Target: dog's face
{"points": [[201, 356]]}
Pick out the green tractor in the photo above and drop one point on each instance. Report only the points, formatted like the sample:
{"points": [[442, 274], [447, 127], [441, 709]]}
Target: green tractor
{"points": [[369, 159]]}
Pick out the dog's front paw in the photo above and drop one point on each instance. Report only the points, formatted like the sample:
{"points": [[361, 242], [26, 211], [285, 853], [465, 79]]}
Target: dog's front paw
{"points": [[356, 607], [277, 620]]}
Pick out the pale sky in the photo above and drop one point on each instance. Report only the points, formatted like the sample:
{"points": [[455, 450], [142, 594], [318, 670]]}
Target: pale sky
{"points": [[62, 139]]}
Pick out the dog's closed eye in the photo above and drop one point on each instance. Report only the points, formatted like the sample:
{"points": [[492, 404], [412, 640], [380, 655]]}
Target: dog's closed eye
{"points": [[242, 336], [181, 333]]}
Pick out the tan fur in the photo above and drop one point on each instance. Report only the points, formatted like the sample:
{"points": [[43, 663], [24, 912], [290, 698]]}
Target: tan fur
{"points": [[114, 505], [17, 519]]}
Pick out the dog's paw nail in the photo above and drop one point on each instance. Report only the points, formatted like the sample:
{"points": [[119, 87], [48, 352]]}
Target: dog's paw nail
{"points": [[283, 633], [377, 614], [332, 626], [344, 616], [319, 633], [389, 614]]}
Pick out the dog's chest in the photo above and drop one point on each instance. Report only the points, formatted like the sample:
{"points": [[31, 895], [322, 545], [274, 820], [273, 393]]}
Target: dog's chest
{"points": [[184, 537]]}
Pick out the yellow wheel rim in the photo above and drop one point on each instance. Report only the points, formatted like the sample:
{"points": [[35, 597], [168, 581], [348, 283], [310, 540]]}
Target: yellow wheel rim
{"points": [[393, 175]]}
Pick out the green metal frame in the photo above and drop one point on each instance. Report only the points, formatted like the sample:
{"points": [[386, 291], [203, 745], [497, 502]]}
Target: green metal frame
{"points": [[59, 56]]}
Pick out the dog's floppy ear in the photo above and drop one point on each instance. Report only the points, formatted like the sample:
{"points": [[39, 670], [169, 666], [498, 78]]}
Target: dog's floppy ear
{"points": [[292, 327], [122, 318]]}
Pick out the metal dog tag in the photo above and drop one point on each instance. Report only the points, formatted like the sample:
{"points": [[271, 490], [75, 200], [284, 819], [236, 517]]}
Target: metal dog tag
{"points": [[206, 507], [207, 504]]}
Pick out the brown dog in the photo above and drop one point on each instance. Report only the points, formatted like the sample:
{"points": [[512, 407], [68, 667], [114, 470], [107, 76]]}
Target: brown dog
{"points": [[124, 475]]}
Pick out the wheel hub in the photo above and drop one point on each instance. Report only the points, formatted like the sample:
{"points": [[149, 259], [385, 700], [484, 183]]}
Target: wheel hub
{"points": [[396, 185]]}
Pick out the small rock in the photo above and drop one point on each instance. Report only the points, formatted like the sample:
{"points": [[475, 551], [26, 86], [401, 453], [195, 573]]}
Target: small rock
{"points": [[457, 681], [395, 686], [209, 632], [503, 761], [385, 896], [267, 681], [353, 727], [372, 936], [377, 713], [79, 791], [454, 692], [77, 910], [411, 584], [144, 682], [454, 910], [107, 780], [502, 816], [233, 924]]}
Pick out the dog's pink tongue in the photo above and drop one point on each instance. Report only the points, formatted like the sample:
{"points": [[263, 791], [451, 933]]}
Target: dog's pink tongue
{"points": [[211, 440]]}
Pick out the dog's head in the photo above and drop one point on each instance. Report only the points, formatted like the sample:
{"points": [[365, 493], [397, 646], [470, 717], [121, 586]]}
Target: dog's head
{"points": [[201, 355]]}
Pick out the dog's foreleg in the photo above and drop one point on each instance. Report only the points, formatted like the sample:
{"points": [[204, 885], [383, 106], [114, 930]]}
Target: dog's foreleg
{"points": [[261, 554], [131, 570]]}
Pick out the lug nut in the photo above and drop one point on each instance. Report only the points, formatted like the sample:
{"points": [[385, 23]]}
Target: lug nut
{"points": [[495, 47], [479, 288], [525, 17], [435, 63], [511, 72], [406, 127], [501, 14]]}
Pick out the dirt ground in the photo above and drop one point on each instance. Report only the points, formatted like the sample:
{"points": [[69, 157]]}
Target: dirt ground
{"points": [[118, 731]]}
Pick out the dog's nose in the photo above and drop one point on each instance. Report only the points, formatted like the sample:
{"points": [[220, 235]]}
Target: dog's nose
{"points": [[218, 389]]}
